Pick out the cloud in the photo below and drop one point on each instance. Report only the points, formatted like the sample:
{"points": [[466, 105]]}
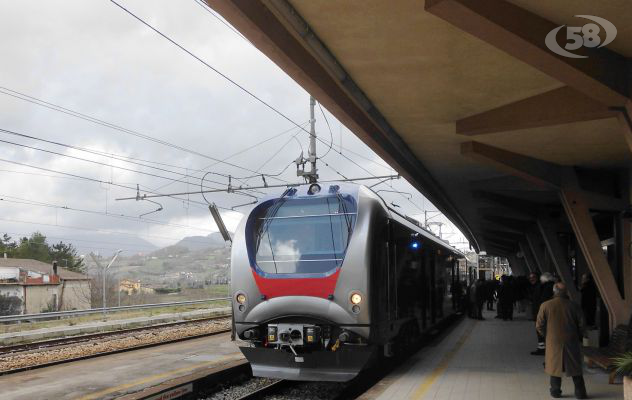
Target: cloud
{"points": [[94, 58]]}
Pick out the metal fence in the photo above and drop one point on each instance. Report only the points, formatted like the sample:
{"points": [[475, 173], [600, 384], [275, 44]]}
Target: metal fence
{"points": [[74, 313]]}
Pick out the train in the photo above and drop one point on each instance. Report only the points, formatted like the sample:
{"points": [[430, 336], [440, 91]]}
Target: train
{"points": [[327, 279]]}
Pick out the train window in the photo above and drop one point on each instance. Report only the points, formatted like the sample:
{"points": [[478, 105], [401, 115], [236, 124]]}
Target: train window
{"points": [[304, 236]]}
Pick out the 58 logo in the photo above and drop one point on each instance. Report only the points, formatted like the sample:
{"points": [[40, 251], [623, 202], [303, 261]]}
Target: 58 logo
{"points": [[578, 36]]}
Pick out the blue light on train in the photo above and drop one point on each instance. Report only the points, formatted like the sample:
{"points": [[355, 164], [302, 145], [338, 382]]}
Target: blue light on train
{"points": [[415, 245]]}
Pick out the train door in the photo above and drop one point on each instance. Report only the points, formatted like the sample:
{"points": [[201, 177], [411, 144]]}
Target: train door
{"points": [[433, 285], [392, 272], [380, 289]]}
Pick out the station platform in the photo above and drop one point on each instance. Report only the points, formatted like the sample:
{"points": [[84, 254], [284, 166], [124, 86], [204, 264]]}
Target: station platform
{"points": [[116, 375], [112, 324], [486, 360]]}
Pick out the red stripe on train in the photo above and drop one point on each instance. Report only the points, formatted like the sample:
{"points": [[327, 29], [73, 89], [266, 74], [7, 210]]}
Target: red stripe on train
{"points": [[315, 287]]}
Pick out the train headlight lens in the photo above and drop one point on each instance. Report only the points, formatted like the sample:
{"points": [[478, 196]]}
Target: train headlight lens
{"points": [[272, 334], [313, 189], [356, 298], [241, 298]]}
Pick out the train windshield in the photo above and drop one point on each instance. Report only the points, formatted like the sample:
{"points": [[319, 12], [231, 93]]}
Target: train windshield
{"points": [[304, 236]]}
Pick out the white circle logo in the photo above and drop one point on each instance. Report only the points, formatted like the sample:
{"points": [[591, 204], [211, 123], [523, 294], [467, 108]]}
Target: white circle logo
{"points": [[578, 36]]}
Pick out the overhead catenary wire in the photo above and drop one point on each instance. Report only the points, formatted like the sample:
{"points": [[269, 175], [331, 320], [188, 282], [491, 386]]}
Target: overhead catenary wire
{"points": [[19, 200], [204, 169], [6, 131], [220, 19], [95, 180], [214, 69], [331, 134], [95, 162], [46, 104]]}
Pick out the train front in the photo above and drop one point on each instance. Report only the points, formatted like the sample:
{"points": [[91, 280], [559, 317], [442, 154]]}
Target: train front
{"points": [[300, 284]]}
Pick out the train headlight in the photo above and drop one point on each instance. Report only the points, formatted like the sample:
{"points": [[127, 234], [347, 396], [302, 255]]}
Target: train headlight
{"points": [[356, 298], [313, 189], [272, 334], [241, 298]]}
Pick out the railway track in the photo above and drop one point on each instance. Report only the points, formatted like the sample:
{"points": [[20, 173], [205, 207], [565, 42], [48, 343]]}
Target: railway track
{"points": [[39, 345], [266, 390], [17, 358]]}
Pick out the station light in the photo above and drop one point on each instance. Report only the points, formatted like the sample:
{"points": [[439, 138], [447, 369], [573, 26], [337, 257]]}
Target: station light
{"points": [[356, 298], [415, 243]]}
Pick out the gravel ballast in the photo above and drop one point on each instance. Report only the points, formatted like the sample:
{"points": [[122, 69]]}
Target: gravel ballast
{"points": [[115, 342]]}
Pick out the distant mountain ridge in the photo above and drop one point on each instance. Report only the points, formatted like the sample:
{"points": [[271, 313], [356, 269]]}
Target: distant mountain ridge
{"points": [[107, 243], [195, 243]]}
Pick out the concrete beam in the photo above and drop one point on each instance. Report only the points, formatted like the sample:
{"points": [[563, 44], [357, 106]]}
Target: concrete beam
{"points": [[496, 227], [579, 216], [515, 224], [603, 75], [517, 268], [538, 172], [625, 120], [549, 234], [559, 106], [535, 245], [528, 257], [521, 205], [503, 183], [506, 211]]}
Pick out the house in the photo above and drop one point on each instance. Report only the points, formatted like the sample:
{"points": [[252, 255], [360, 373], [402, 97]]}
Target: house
{"points": [[132, 287], [30, 286]]}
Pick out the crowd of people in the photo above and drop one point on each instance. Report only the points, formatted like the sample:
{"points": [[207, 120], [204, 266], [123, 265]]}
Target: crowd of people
{"points": [[522, 293], [559, 322]]}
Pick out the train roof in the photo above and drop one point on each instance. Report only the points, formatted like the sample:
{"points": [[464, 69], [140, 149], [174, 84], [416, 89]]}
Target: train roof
{"points": [[401, 218], [415, 226]]}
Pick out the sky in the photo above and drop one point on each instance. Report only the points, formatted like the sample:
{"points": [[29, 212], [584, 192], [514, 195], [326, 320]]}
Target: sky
{"points": [[93, 58]]}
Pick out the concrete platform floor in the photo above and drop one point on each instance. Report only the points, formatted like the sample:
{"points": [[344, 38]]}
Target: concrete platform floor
{"points": [[483, 360], [112, 376]]}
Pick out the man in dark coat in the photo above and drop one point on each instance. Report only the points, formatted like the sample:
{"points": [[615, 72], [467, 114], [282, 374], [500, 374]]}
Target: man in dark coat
{"points": [[543, 292], [505, 298], [589, 299], [561, 322]]}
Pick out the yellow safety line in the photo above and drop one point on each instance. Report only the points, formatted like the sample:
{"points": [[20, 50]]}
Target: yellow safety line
{"points": [[97, 395], [443, 365]]}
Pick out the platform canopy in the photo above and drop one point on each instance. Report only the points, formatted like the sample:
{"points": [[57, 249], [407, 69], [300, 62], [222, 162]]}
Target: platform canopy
{"points": [[526, 150], [465, 99]]}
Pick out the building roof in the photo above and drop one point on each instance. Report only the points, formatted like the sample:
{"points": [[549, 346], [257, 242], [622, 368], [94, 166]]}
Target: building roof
{"points": [[41, 267]]}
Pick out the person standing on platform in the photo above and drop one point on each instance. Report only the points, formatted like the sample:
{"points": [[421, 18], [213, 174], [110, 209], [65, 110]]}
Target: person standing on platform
{"points": [[457, 293], [533, 290], [480, 298], [560, 321], [543, 292], [505, 298], [589, 299], [491, 287]]}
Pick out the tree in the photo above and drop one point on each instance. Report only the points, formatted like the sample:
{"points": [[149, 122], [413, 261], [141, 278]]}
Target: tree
{"points": [[7, 245], [37, 248], [66, 255], [34, 247]]}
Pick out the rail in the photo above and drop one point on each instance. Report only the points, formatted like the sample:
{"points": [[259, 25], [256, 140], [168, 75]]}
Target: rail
{"points": [[74, 313]]}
